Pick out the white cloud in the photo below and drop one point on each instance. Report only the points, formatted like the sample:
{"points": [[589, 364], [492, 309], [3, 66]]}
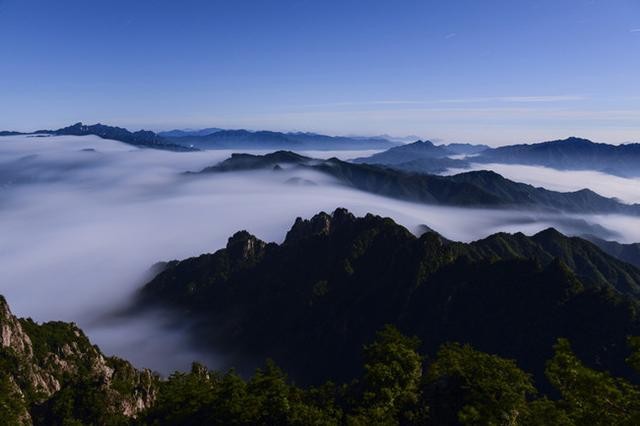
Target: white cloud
{"points": [[87, 225], [523, 99]]}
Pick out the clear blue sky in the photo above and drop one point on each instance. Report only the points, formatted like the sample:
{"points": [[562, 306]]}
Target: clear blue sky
{"points": [[493, 71]]}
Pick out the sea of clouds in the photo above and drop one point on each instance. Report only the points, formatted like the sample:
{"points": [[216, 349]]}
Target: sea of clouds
{"points": [[82, 220]]}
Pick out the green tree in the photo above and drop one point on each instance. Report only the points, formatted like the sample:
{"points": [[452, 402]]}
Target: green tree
{"points": [[391, 380], [184, 398], [592, 397], [634, 358], [231, 405], [13, 409], [475, 388], [81, 402], [544, 412]]}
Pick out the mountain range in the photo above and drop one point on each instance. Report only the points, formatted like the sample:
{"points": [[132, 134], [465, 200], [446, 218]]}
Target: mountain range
{"points": [[311, 302], [471, 189], [141, 138], [566, 154], [421, 150], [179, 133], [570, 154], [423, 157], [420, 156], [215, 138], [246, 139]]}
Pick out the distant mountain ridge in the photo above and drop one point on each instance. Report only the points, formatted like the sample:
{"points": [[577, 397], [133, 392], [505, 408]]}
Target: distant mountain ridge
{"points": [[141, 138], [570, 154], [9, 133], [180, 133], [408, 152], [466, 148], [565, 154], [471, 189], [422, 157], [216, 138], [264, 139]]}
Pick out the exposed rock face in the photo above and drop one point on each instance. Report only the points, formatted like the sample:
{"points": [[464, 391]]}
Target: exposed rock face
{"points": [[320, 224], [244, 246], [11, 333], [47, 357]]}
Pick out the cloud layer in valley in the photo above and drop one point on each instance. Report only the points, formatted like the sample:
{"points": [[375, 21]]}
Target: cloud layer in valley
{"points": [[82, 220]]}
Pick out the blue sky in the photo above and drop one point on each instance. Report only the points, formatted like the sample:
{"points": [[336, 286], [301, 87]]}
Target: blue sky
{"points": [[488, 71]]}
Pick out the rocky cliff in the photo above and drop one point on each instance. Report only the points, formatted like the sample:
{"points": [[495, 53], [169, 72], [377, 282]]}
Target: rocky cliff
{"points": [[43, 363]]}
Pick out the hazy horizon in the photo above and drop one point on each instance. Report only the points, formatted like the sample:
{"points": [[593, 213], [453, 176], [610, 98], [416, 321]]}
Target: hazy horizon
{"points": [[400, 138], [495, 72]]}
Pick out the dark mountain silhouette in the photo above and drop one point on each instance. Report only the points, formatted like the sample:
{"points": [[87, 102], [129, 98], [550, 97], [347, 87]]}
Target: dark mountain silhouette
{"points": [[477, 189], [313, 300]]}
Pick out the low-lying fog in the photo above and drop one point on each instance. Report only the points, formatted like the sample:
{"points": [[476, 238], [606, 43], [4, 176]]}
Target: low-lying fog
{"points": [[82, 219]]}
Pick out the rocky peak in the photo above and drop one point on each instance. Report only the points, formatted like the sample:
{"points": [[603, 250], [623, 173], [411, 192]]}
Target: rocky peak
{"points": [[11, 333], [320, 224], [244, 246]]}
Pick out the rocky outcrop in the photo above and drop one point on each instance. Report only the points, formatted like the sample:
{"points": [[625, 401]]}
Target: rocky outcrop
{"points": [[12, 335], [320, 224], [45, 358], [243, 246]]}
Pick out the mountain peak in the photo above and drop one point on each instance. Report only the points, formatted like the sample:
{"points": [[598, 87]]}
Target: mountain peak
{"points": [[574, 140], [244, 246], [420, 142], [320, 224], [549, 233]]}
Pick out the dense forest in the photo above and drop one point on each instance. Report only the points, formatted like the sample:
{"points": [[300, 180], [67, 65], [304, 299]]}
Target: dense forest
{"points": [[398, 386]]}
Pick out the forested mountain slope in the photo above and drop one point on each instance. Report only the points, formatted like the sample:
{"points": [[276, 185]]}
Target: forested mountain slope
{"points": [[313, 300]]}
